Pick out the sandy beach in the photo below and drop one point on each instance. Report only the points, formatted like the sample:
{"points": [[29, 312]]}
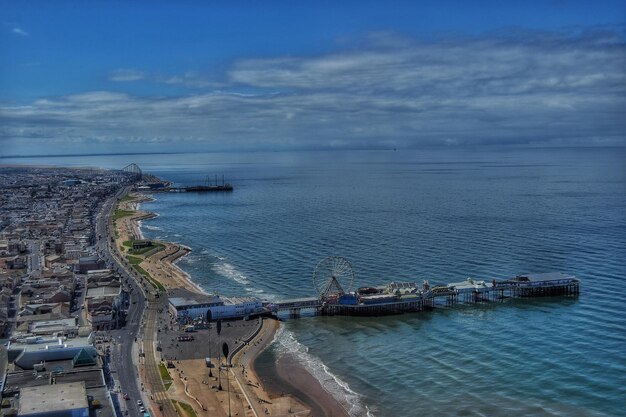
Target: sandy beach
{"points": [[281, 389], [161, 265], [288, 377]]}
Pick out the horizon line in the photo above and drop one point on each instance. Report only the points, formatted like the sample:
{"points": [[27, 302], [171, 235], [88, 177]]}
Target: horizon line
{"points": [[517, 145]]}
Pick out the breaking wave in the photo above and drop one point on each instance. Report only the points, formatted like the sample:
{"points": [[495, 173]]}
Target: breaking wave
{"points": [[286, 343]]}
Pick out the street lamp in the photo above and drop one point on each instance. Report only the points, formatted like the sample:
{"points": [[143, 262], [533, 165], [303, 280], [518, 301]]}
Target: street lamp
{"points": [[225, 350], [210, 356], [219, 357]]}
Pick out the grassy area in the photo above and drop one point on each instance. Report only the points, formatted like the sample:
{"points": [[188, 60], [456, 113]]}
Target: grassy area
{"points": [[157, 284], [135, 261], [128, 198], [165, 376], [184, 409], [142, 251], [118, 214], [154, 248]]}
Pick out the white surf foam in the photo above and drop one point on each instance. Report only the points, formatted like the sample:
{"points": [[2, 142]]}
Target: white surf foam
{"points": [[254, 290], [139, 231], [229, 271], [351, 401], [150, 227]]}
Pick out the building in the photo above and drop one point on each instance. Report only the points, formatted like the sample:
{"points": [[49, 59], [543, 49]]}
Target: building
{"points": [[140, 244], [43, 388], [28, 352], [543, 279], [58, 400], [188, 306], [102, 299], [60, 327], [88, 263], [184, 304]]}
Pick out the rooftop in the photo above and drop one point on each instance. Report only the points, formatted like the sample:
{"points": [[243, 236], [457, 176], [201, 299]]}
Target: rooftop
{"points": [[241, 300], [470, 284], [52, 325], [547, 276], [181, 297], [63, 371], [39, 343], [104, 291], [51, 398]]}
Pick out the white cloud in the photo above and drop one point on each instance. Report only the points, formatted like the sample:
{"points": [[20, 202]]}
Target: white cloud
{"points": [[125, 75], [390, 91], [189, 79], [20, 31]]}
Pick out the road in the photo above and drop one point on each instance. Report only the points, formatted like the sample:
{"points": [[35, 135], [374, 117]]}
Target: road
{"points": [[121, 359], [153, 376], [34, 259]]}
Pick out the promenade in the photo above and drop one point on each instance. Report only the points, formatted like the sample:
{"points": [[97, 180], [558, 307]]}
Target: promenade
{"points": [[157, 335]]}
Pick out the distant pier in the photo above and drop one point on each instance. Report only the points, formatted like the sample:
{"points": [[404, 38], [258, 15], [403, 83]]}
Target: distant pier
{"points": [[209, 186], [200, 188]]}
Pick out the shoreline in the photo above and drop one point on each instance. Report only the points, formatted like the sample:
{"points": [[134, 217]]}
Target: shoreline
{"points": [[291, 388], [161, 265], [286, 376]]}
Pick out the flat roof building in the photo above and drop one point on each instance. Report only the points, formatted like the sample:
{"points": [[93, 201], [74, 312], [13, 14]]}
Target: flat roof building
{"points": [[186, 305], [57, 400]]}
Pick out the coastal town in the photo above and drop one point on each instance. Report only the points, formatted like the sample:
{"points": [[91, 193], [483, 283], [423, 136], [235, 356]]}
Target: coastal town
{"points": [[95, 320]]}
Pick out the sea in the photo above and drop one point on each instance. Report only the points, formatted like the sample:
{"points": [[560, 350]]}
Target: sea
{"points": [[436, 214]]}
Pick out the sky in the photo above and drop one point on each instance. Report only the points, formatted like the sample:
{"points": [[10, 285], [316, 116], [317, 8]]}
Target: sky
{"points": [[79, 77]]}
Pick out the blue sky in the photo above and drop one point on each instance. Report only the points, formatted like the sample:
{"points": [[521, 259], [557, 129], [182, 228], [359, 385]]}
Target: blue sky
{"points": [[80, 77]]}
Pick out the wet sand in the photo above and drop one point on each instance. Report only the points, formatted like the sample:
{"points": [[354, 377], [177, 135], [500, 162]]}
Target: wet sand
{"points": [[287, 377]]}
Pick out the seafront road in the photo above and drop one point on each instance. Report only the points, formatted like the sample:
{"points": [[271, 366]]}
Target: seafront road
{"points": [[122, 357]]}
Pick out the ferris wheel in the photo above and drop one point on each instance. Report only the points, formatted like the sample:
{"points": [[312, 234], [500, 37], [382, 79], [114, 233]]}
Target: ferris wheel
{"points": [[333, 275]]}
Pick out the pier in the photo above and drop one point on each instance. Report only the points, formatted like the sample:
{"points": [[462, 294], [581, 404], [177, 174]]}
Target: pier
{"points": [[334, 274], [209, 186], [333, 279], [296, 305], [200, 188]]}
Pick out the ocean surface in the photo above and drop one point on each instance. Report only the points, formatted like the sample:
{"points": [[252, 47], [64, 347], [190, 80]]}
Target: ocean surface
{"points": [[437, 214]]}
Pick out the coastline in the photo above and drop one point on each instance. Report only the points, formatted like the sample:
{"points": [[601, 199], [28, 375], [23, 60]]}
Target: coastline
{"points": [[287, 376], [161, 265], [291, 389]]}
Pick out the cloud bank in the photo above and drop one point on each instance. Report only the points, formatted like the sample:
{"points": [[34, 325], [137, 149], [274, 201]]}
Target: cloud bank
{"points": [[510, 87]]}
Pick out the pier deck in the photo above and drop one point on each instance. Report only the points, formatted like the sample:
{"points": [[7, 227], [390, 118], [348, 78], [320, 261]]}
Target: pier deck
{"points": [[407, 297]]}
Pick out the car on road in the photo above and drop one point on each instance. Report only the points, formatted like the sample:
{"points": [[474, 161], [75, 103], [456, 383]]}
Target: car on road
{"points": [[139, 402]]}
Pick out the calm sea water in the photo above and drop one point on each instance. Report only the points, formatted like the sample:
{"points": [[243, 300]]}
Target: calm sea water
{"points": [[442, 215]]}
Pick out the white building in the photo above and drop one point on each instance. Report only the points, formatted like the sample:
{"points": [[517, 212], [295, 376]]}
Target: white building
{"points": [[187, 305]]}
